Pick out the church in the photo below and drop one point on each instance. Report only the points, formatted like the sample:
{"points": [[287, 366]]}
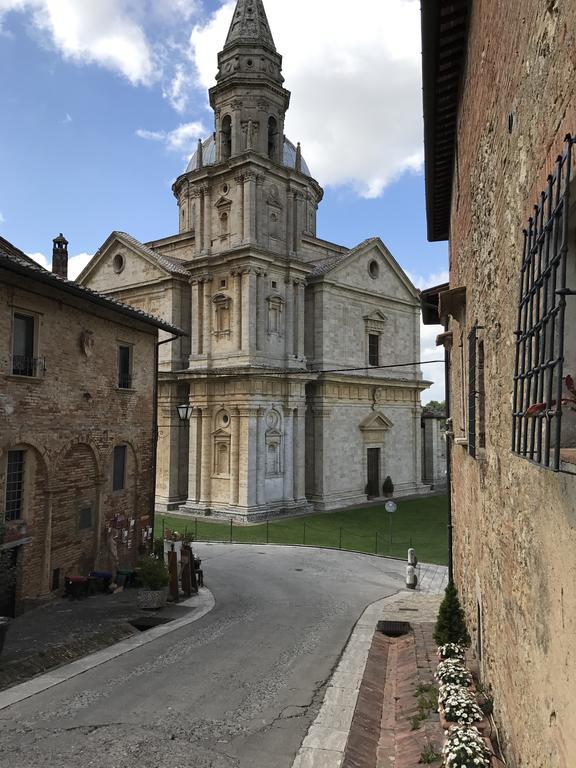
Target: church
{"points": [[300, 364]]}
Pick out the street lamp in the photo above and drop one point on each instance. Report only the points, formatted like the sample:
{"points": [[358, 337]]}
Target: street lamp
{"points": [[184, 411]]}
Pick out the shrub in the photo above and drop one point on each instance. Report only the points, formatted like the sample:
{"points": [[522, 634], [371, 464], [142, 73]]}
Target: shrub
{"points": [[465, 748], [454, 672], [461, 707], [451, 624], [388, 486], [451, 651], [153, 573]]}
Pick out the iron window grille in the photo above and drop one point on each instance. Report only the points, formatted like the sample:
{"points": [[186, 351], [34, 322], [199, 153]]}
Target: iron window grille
{"points": [[34, 367], [15, 485], [539, 375], [475, 392]]}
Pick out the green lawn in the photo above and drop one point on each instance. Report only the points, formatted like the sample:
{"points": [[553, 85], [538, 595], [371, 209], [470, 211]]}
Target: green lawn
{"points": [[420, 523]]}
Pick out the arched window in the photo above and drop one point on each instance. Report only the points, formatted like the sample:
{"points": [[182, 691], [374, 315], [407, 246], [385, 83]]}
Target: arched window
{"points": [[226, 137], [273, 138]]}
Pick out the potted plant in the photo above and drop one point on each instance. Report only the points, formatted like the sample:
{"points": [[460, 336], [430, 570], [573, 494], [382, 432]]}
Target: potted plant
{"points": [[451, 651], [460, 707], [388, 487], [453, 671], [465, 748], [154, 578], [451, 624]]}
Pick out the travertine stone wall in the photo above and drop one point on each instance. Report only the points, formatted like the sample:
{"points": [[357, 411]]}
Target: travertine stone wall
{"points": [[68, 421], [515, 540]]}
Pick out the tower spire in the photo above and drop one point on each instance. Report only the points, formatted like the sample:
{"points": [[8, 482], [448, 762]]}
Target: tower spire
{"points": [[250, 25]]}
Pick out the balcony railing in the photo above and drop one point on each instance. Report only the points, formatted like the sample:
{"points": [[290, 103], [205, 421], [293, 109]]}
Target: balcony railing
{"points": [[28, 366], [124, 381]]}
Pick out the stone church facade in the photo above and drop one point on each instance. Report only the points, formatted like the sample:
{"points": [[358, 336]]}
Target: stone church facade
{"points": [[287, 332]]}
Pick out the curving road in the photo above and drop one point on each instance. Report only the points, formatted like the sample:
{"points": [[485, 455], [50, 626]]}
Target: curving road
{"points": [[236, 689]]}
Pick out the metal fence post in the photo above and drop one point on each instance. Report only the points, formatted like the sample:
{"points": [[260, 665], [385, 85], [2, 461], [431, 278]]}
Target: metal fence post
{"points": [[340, 537], [195, 529], [304, 541], [267, 531], [376, 545], [231, 532]]}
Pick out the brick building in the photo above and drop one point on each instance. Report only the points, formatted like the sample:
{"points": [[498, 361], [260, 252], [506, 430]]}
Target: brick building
{"points": [[77, 392], [499, 101]]}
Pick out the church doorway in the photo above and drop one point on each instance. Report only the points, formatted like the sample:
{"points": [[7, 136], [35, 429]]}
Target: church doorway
{"points": [[373, 471]]}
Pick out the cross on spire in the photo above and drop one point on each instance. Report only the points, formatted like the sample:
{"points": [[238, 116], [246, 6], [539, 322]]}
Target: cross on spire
{"points": [[249, 24]]}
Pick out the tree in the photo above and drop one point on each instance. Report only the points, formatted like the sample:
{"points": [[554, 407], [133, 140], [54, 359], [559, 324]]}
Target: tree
{"points": [[451, 623], [435, 406]]}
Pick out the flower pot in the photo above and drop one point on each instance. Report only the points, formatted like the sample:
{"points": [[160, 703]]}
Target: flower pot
{"points": [[151, 599], [4, 624], [482, 725]]}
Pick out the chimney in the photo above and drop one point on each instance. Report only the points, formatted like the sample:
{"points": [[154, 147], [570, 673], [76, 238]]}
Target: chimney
{"points": [[60, 256]]}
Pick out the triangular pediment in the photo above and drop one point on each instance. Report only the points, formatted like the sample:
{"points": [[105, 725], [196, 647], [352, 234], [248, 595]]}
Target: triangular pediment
{"points": [[223, 202], [371, 266], [124, 261], [376, 422]]}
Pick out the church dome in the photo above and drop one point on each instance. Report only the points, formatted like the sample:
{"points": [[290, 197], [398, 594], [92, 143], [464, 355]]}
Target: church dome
{"points": [[209, 156]]}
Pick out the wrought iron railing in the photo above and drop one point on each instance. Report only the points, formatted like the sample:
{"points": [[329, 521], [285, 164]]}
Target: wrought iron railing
{"points": [[125, 381], [28, 366]]}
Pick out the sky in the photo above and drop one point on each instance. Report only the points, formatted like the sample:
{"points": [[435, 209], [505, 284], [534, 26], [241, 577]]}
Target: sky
{"points": [[104, 102]]}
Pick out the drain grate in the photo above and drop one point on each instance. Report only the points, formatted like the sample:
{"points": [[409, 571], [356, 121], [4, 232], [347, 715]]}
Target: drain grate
{"points": [[394, 628], [142, 623]]}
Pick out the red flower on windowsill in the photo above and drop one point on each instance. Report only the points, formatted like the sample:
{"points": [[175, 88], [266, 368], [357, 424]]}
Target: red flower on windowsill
{"points": [[570, 401]]}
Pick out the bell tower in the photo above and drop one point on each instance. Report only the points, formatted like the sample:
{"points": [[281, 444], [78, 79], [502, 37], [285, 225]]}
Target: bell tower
{"points": [[249, 99]]}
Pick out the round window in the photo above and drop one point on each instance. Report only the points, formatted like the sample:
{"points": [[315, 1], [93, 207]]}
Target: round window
{"points": [[374, 269], [225, 189], [118, 263], [225, 419]]}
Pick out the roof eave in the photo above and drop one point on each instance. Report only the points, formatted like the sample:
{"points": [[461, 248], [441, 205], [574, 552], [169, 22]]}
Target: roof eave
{"points": [[444, 35]]}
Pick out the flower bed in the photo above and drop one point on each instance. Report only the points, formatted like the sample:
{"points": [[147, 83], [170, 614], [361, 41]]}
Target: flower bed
{"points": [[453, 671], [465, 748], [451, 651], [460, 707]]}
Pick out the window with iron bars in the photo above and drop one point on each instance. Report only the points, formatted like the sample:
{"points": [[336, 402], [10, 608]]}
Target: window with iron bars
{"points": [[476, 405], [544, 406], [15, 485]]}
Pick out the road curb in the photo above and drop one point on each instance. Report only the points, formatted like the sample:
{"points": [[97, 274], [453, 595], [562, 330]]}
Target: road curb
{"points": [[203, 603]]}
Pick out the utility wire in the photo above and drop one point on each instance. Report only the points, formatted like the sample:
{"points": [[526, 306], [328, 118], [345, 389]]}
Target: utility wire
{"points": [[299, 372]]}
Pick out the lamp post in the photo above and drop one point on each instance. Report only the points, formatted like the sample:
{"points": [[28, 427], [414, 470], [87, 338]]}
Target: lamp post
{"points": [[184, 412]]}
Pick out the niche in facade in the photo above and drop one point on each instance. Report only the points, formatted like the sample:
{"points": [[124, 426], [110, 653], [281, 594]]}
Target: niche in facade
{"points": [[223, 209], [221, 440], [273, 139], [226, 137], [274, 217], [222, 305], [275, 310], [273, 444]]}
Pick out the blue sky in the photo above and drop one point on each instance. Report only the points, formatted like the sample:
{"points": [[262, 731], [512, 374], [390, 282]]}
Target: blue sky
{"points": [[104, 101]]}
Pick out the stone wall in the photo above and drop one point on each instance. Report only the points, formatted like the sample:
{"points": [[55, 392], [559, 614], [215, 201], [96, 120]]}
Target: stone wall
{"points": [[68, 421], [515, 540]]}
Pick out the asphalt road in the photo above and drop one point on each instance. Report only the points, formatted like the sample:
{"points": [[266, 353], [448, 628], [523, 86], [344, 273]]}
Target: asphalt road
{"points": [[236, 689]]}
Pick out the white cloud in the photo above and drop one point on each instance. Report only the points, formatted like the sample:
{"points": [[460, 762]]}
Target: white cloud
{"points": [[355, 78], [434, 371], [75, 263], [100, 32], [183, 139], [428, 281]]}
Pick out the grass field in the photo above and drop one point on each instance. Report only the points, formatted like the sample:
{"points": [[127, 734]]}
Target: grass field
{"points": [[420, 523]]}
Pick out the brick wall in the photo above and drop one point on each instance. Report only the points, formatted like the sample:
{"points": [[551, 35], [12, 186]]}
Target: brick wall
{"points": [[69, 421], [515, 540]]}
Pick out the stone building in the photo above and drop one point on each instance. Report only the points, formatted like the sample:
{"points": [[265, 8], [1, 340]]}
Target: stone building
{"points": [[77, 378], [500, 100], [287, 331]]}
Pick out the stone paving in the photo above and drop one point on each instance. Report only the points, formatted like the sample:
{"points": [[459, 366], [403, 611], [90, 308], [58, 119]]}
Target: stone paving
{"points": [[364, 721]]}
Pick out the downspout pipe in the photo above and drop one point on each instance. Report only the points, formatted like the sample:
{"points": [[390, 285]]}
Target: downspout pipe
{"points": [[157, 346], [447, 361]]}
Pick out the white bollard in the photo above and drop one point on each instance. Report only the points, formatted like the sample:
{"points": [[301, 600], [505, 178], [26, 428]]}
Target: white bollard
{"points": [[411, 578], [412, 559]]}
